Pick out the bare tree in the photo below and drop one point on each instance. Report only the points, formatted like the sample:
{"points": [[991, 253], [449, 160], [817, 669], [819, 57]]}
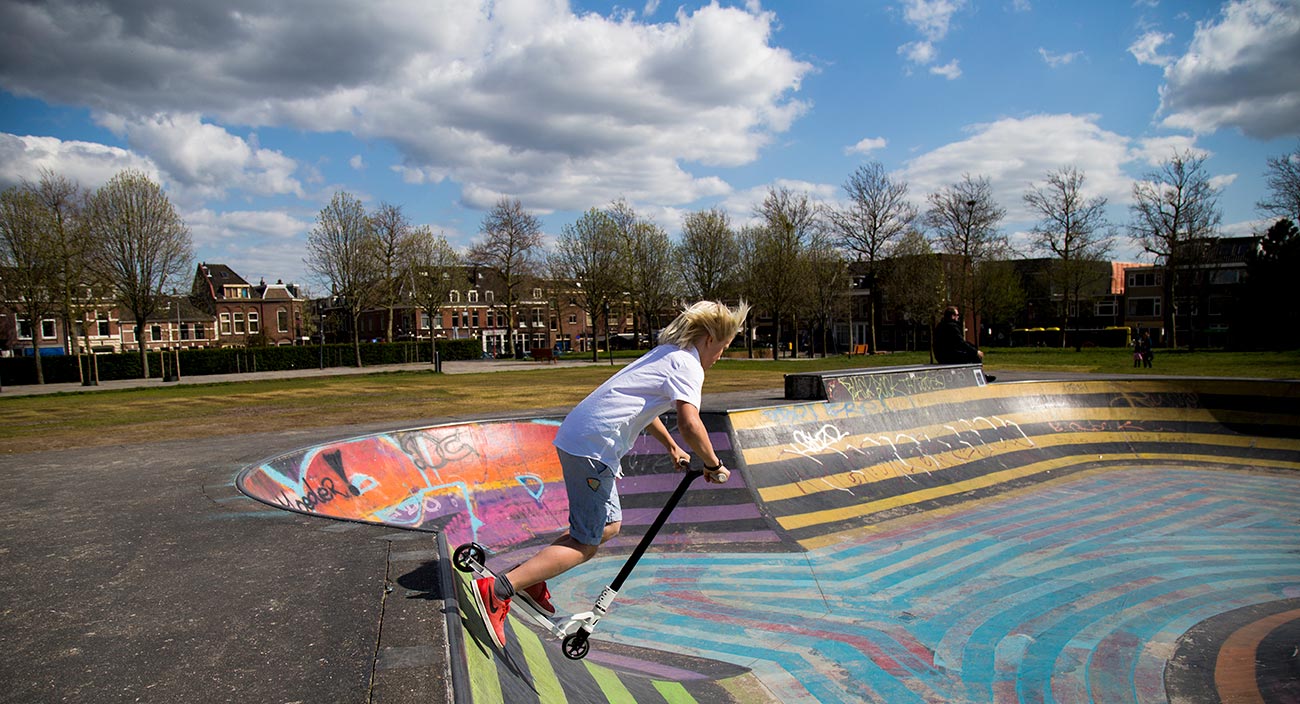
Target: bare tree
{"points": [[434, 263], [341, 251], [707, 255], [647, 265], [79, 289], [914, 283], [394, 248], [1283, 179], [1174, 207], [964, 221], [29, 254], [828, 278], [1073, 229], [142, 247], [877, 214], [790, 222], [588, 254], [511, 243]]}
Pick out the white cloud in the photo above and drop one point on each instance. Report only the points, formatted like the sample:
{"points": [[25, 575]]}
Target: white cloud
{"points": [[1154, 151], [950, 70], [521, 97], [1021, 6], [1239, 71], [357, 162], [1146, 48], [1015, 152], [866, 146], [931, 18], [1057, 60], [205, 158], [256, 244], [920, 53], [86, 163]]}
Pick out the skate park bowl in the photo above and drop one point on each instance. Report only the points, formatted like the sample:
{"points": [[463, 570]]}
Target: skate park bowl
{"points": [[911, 540]]}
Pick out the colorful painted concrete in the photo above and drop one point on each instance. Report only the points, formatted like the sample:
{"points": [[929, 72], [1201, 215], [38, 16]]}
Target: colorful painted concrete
{"points": [[1067, 542]]}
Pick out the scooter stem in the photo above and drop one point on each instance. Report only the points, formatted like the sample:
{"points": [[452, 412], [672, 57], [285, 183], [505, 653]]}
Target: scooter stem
{"points": [[653, 530]]}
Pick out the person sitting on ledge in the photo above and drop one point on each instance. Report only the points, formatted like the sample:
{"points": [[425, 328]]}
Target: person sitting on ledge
{"points": [[950, 345]]}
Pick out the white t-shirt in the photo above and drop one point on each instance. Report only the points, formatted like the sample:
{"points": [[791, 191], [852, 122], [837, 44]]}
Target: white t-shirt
{"points": [[606, 423]]}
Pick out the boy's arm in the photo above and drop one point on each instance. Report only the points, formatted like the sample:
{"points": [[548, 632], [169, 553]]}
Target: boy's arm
{"points": [[697, 436], [659, 432]]}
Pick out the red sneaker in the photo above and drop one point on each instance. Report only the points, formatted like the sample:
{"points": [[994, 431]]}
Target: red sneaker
{"points": [[491, 609], [538, 597]]}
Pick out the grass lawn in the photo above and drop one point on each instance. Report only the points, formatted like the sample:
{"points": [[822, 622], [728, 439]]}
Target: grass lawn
{"points": [[96, 418]]}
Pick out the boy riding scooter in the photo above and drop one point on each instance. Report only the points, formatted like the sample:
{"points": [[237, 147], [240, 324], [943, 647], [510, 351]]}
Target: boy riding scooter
{"points": [[601, 429]]}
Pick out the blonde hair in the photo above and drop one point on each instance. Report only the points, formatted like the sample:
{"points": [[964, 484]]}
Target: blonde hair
{"points": [[710, 318]]}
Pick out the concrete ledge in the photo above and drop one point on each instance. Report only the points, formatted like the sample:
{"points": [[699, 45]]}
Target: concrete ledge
{"points": [[880, 382]]}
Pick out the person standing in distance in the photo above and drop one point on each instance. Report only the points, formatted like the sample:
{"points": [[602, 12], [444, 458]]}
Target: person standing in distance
{"points": [[601, 429]]}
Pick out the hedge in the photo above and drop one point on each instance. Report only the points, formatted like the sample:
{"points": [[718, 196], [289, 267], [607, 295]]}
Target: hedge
{"points": [[231, 360]]}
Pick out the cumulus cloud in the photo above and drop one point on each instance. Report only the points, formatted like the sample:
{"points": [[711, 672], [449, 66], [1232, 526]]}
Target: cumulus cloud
{"points": [[86, 163], [1015, 152], [866, 146], [256, 244], [1239, 71], [521, 97], [205, 158], [1146, 48], [932, 19]]}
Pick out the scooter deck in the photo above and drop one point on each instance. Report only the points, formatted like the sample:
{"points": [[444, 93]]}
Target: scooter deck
{"points": [[558, 626]]}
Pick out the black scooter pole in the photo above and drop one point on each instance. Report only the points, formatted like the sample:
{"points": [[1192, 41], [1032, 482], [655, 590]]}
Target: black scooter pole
{"points": [[653, 530]]}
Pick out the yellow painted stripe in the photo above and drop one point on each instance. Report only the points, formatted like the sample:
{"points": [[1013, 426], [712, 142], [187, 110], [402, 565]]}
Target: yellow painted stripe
{"points": [[674, 692], [1057, 393], [484, 683], [545, 682], [1003, 422], [610, 685], [848, 512], [938, 462]]}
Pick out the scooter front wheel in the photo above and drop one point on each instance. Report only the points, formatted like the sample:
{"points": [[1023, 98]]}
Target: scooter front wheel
{"points": [[467, 554], [576, 646]]}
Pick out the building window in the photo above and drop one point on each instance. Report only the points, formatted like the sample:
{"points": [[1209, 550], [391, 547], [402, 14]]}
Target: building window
{"points": [[489, 296], [199, 332], [48, 330], [155, 333], [24, 329], [185, 331], [1230, 276], [253, 324], [1144, 278], [1144, 307], [573, 318], [282, 320], [1105, 309], [102, 321], [475, 318], [225, 323], [473, 296], [455, 296], [239, 323]]}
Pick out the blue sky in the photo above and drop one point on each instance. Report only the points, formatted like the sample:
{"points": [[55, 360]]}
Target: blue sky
{"points": [[252, 113]]}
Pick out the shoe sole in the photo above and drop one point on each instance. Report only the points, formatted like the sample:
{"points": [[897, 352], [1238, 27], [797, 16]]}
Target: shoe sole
{"points": [[481, 608]]}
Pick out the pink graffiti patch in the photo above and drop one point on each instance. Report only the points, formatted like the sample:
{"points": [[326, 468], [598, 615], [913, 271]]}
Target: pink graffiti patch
{"points": [[593, 483]]}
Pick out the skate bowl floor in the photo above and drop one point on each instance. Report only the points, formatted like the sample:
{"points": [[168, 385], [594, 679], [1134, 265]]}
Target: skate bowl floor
{"points": [[1109, 541]]}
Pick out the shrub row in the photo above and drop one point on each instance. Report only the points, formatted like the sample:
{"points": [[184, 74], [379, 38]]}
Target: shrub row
{"points": [[232, 360]]}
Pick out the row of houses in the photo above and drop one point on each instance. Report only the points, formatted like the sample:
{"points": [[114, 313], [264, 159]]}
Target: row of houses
{"points": [[223, 309]]}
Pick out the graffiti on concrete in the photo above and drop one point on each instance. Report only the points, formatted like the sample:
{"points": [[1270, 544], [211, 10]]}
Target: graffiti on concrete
{"points": [[498, 483]]}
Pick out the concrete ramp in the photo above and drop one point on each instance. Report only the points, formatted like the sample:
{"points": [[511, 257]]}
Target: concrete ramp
{"points": [[1048, 541]]}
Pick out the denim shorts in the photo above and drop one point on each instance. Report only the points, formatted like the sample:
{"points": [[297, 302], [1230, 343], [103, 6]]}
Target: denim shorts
{"points": [[593, 497]]}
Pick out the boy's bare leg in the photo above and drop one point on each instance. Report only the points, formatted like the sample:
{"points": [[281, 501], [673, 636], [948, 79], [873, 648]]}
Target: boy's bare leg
{"points": [[557, 558]]}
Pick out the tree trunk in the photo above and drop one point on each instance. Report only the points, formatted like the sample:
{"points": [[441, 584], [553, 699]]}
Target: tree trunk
{"points": [[144, 351], [356, 338]]}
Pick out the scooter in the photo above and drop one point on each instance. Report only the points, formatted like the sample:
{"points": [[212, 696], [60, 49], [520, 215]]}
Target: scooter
{"points": [[574, 631]]}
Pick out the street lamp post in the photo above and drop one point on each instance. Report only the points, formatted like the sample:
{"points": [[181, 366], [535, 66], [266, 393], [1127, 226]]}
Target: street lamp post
{"points": [[177, 369]]}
